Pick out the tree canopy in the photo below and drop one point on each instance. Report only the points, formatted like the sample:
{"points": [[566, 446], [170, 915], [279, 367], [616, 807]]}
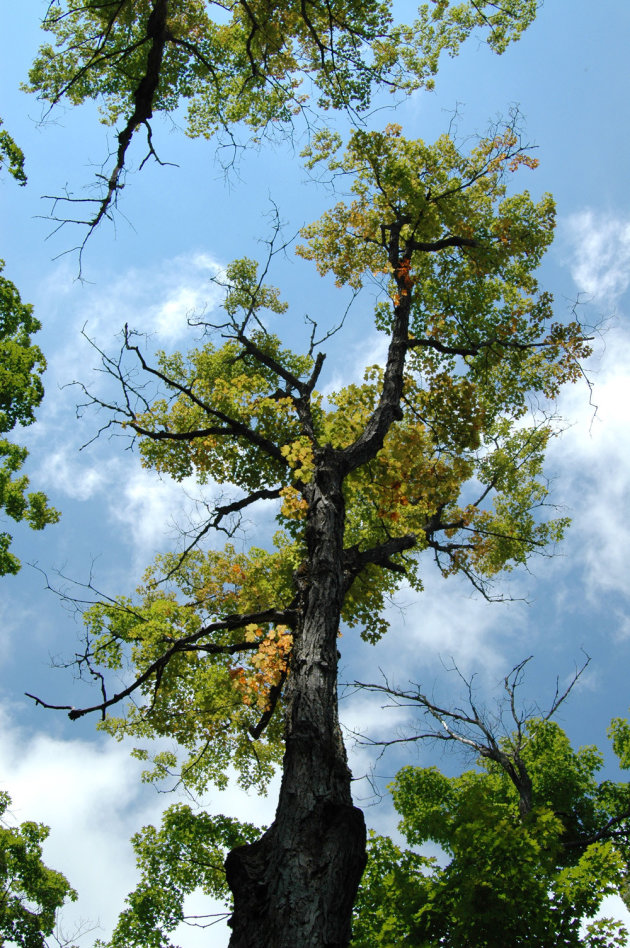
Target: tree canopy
{"points": [[473, 340], [436, 452], [244, 68], [508, 877], [185, 854]]}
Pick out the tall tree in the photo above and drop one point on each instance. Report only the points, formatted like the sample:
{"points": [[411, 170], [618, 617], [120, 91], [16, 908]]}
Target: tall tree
{"points": [[235, 654], [367, 481]]}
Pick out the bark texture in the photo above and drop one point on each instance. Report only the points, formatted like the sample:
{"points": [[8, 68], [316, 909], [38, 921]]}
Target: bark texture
{"points": [[295, 887]]}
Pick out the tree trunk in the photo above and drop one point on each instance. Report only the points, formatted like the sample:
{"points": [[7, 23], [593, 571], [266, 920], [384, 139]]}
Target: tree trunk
{"points": [[295, 887]]}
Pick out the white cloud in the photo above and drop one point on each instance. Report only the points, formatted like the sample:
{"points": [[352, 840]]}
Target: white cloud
{"points": [[590, 461], [181, 289], [450, 619], [351, 364], [613, 907], [151, 508], [11, 622], [155, 300], [369, 716], [67, 471], [90, 794], [159, 513], [91, 797], [600, 254], [158, 299]]}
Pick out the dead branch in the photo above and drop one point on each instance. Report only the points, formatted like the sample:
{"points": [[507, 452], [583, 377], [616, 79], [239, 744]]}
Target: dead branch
{"points": [[475, 729]]}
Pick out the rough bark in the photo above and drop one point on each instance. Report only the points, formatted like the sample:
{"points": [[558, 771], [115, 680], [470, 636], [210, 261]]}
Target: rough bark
{"points": [[295, 887]]}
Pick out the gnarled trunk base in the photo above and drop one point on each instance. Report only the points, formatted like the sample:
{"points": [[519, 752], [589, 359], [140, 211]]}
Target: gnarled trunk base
{"points": [[313, 866]]}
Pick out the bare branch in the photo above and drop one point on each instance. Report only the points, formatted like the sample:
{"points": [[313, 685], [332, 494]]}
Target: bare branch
{"points": [[215, 523], [474, 350], [474, 728], [558, 698], [228, 426]]}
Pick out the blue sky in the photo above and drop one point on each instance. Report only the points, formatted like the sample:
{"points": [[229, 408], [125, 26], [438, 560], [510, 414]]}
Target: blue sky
{"points": [[177, 227]]}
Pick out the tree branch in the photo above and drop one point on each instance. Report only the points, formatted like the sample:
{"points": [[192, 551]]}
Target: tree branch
{"points": [[355, 560], [274, 694], [186, 644], [442, 244], [214, 523], [143, 100], [388, 410]]}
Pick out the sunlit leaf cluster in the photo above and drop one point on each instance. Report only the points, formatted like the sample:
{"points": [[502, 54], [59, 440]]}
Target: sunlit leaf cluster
{"points": [[236, 61], [506, 879], [269, 665], [12, 153], [197, 699]]}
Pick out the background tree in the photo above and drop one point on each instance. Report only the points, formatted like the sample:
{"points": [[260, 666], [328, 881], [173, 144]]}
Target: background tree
{"points": [[12, 153], [21, 391], [31, 893], [185, 854], [532, 841]]}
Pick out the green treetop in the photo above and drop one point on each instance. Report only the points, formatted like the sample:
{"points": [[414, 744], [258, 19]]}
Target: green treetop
{"points": [[32, 893], [532, 841], [247, 67]]}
